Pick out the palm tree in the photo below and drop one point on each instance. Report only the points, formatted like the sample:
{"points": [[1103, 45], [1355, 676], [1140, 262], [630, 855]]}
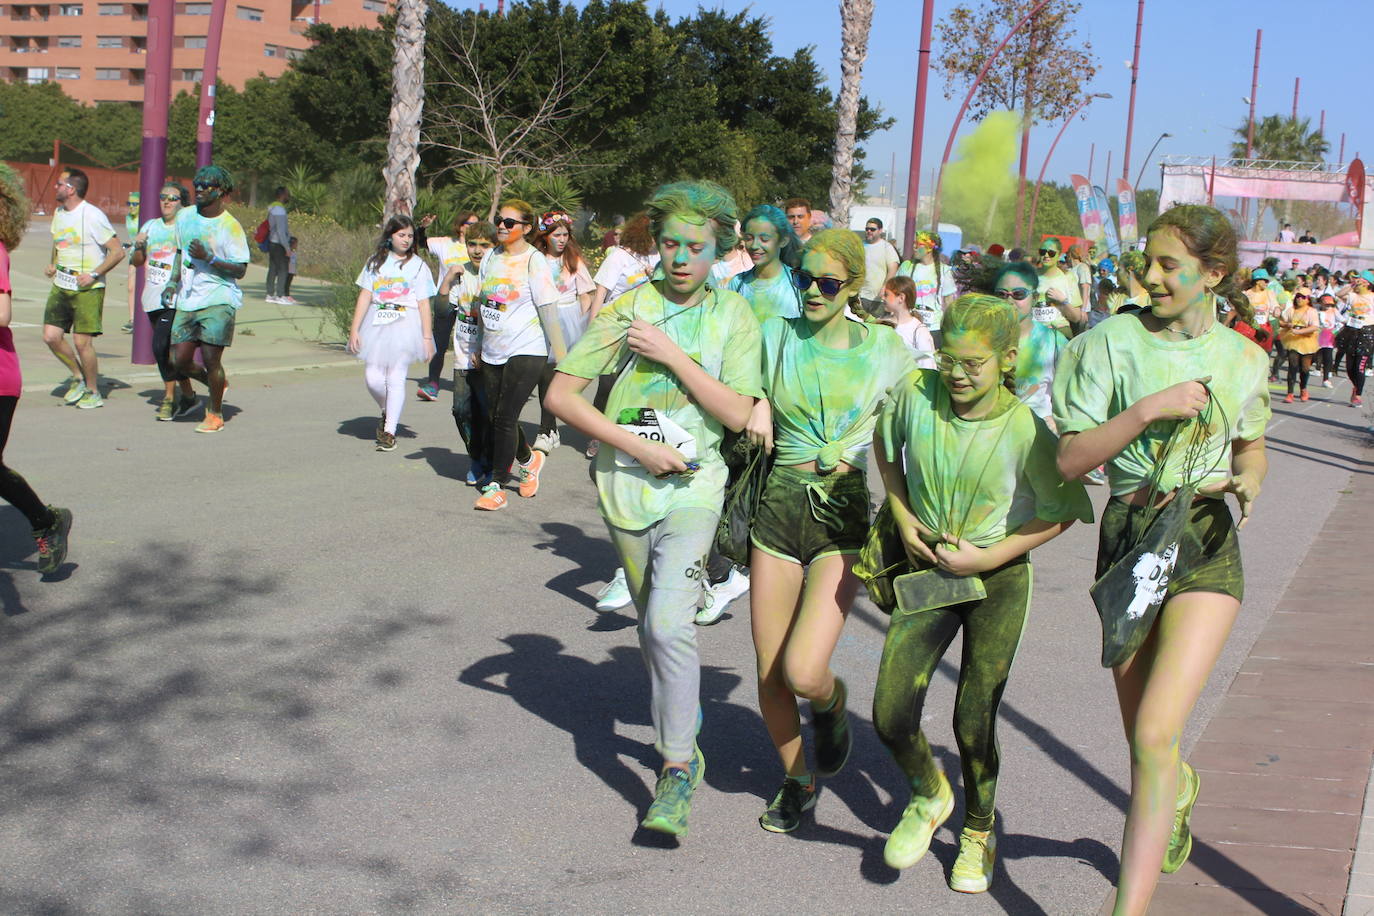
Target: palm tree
{"points": [[856, 18], [407, 108], [1279, 139]]}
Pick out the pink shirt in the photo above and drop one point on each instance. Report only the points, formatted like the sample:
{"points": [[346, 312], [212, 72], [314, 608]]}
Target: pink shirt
{"points": [[10, 380]]}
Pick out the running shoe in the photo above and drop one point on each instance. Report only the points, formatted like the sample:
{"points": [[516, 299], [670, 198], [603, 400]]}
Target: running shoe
{"points": [[90, 400], [492, 498], [273, 300], [1288, 398], [673, 797], [592, 448], [718, 597], [75, 393], [167, 409], [289, 300], [833, 737], [615, 595], [186, 404], [529, 474], [1356, 400], [1097, 477], [428, 391], [784, 812], [972, 871], [68, 385], [1303, 397], [386, 442], [1181, 840], [1326, 383], [127, 327], [910, 839], [547, 442], [212, 423], [478, 475], [52, 541]]}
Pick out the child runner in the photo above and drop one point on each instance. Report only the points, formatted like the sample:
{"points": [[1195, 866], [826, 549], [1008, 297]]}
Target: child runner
{"points": [[1058, 302], [1328, 323], [452, 252], [290, 266], [519, 329], [775, 251], [686, 360], [575, 288], [461, 287], [826, 377], [1118, 396], [979, 491], [391, 323], [50, 524], [155, 246], [1300, 326], [899, 298], [934, 281]]}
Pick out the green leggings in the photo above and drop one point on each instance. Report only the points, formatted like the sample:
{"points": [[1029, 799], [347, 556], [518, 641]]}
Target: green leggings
{"points": [[915, 644]]}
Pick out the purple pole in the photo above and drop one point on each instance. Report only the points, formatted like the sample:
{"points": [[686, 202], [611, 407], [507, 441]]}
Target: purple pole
{"points": [[157, 88], [209, 76]]}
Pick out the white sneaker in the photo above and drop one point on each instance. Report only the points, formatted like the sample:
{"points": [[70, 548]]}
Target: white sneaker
{"points": [[288, 300], [615, 595], [719, 596], [1326, 383], [546, 442]]}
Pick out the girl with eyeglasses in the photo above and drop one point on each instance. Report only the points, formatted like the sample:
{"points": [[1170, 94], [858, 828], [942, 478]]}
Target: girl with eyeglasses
{"points": [[1121, 393], [826, 377], [1038, 346], [575, 288], [972, 488]]}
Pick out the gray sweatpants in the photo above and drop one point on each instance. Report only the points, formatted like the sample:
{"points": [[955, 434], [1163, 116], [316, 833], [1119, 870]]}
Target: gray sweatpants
{"points": [[665, 566]]}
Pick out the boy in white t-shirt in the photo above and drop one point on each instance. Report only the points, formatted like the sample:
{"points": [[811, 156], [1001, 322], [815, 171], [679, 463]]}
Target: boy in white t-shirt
{"points": [[460, 288]]}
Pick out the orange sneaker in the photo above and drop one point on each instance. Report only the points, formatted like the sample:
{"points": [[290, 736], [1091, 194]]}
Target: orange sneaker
{"points": [[213, 423], [492, 498], [1304, 396], [529, 474], [1288, 399]]}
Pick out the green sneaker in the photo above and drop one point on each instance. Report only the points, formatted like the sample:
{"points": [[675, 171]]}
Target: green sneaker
{"points": [[52, 541], [784, 813], [1181, 840], [75, 393], [167, 409], [833, 738], [972, 871], [923, 816], [90, 400], [673, 797]]}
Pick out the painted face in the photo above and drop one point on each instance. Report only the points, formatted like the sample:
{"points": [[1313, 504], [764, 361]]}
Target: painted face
{"points": [[1361, 285], [687, 251], [960, 351], [1049, 254], [402, 239], [800, 218], [505, 235], [1174, 278], [817, 308], [761, 241], [558, 240], [895, 304], [923, 250], [207, 194], [477, 249], [169, 202], [1010, 285]]}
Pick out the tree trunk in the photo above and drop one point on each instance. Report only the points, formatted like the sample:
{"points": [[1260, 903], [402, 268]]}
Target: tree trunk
{"points": [[407, 108], [856, 17]]}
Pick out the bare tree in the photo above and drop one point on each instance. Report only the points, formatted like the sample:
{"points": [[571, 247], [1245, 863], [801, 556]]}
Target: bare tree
{"points": [[407, 108], [856, 18], [486, 126]]}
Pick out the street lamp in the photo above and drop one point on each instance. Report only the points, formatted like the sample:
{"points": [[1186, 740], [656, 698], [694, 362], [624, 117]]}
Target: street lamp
{"points": [[1035, 202], [1148, 155]]}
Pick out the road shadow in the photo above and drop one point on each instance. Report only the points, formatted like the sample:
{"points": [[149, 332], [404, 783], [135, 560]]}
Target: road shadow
{"points": [[443, 462], [366, 428], [1338, 460], [593, 558]]}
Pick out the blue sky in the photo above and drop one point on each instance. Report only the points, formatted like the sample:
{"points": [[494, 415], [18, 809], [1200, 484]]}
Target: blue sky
{"points": [[1195, 67]]}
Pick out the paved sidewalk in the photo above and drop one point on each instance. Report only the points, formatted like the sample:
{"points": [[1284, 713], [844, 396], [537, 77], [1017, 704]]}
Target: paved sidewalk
{"points": [[1285, 761]]}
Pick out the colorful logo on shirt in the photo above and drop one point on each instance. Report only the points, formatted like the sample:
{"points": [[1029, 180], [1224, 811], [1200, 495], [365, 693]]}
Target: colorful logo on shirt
{"points": [[390, 289]]}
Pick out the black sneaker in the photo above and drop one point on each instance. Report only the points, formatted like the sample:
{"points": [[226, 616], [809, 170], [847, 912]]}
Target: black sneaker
{"points": [[184, 405], [784, 812], [52, 541], [386, 441], [833, 739]]}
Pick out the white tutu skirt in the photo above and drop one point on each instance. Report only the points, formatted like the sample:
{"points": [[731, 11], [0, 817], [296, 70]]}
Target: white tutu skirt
{"points": [[573, 322], [401, 341]]}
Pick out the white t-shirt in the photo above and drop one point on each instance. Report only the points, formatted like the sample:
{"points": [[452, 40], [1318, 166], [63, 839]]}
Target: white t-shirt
{"points": [[919, 341], [79, 236], [398, 283], [1066, 285], [930, 301], [162, 254], [624, 270], [570, 286], [467, 318], [512, 285], [879, 257], [1287, 235]]}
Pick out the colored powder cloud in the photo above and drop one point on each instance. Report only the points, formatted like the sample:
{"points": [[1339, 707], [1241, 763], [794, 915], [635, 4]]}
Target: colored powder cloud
{"points": [[984, 168]]}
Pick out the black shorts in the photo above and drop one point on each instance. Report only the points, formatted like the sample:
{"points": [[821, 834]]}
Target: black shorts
{"points": [[805, 516], [1208, 553]]}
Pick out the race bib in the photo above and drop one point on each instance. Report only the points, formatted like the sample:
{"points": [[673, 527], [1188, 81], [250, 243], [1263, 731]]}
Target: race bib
{"points": [[493, 315], [159, 272], [387, 314], [647, 423], [1045, 314], [465, 331], [65, 278]]}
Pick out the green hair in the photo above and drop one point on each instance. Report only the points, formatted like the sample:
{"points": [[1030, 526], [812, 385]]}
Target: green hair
{"points": [[697, 202], [842, 245], [14, 208], [993, 318], [216, 174]]}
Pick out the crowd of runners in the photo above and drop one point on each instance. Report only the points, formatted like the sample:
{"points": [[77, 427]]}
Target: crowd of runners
{"points": [[713, 353]]}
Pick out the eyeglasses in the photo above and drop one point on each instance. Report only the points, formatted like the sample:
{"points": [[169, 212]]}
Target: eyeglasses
{"points": [[169, 198], [946, 363], [1020, 293], [829, 285], [205, 185], [511, 223], [1048, 252]]}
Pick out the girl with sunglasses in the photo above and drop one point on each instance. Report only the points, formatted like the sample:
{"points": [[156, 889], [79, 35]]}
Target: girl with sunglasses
{"points": [[1119, 396], [972, 488], [1058, 302], [155, 247], [826, 377], [685, 359], [575, 287], [1038, 346]]}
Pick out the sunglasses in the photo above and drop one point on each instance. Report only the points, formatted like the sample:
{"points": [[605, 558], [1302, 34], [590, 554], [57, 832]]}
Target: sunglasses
{"points": [[1020, 293], [169, 198], [871, 229], [946, 363], [829, 285], [511, 223], [1048, 252], [205, 185]]}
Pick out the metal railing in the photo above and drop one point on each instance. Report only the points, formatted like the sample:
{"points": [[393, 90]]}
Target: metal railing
{"points": [[1268, 165]]}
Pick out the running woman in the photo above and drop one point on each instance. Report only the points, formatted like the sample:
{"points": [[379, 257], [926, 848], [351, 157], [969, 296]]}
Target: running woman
{"points": [[826, 377], [1118, 396], [520, 331], [575, 288], [392, 325], [155, 247], [686, 361], [979, 491], [774, 249], [50, 525], [1299, 328], [899, 304], [461, 286], [1037, 346], [1357, 337], [1058, 303]]}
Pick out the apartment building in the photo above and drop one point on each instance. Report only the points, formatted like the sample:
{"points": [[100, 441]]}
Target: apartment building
{"points": [[96, 50]]}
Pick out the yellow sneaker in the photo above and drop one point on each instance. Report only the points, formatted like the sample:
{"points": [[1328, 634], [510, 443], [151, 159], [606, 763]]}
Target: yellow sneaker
{"points": [[1181, 840], [972, 871], [923, 816]]}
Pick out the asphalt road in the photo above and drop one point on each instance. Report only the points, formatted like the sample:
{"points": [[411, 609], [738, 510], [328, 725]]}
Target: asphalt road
{"points": [[283, 672]]}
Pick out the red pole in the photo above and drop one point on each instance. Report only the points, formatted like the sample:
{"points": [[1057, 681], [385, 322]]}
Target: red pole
{"points": [[1027, 115], [209, 76], [157, 92], [1130, 110], [1297, 81], [963, 109], [918, 125]]}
